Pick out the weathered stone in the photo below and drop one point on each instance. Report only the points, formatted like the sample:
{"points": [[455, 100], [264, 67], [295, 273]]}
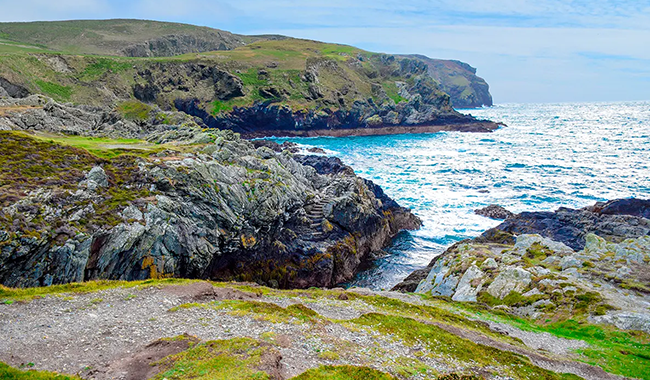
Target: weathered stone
{"points": [[470, 284], [494, 212], [511, 279], [489, 263]]}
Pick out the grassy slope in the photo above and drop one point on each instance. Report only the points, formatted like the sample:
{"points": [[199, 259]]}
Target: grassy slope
{"points": [[86, 76], [616, 351], [103, 37]]}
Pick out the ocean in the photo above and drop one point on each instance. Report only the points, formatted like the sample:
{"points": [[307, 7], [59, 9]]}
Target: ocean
{"points": [[548, 156]]}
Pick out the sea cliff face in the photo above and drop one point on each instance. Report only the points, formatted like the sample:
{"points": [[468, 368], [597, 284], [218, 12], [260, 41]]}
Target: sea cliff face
{"points": [[459, 80], [281, 87], [205, 205]]}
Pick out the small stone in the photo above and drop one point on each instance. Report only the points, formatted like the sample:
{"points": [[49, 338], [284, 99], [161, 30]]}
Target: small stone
{"points": [[97, 175], [490, 263]]}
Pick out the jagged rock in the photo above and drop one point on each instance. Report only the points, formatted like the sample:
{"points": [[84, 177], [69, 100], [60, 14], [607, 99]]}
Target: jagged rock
{"points": [[98, 175], [470, 284], [570, 226], [511, 279], [494, 212], [240, 213], [610, 273]]}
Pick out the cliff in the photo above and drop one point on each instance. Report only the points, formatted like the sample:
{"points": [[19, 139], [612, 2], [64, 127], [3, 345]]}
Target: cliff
{"points": [[459, 80], [254, 85], [202, 205]]}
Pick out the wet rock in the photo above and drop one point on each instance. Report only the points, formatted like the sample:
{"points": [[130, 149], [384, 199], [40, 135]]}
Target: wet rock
{"points": [[494, 212]]}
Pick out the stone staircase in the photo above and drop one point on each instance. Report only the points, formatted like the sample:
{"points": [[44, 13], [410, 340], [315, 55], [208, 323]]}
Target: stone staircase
{"points": [[316, 216]]}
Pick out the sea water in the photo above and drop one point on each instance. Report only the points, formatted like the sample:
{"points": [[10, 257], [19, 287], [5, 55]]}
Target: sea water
{"points": [[548, 156]]}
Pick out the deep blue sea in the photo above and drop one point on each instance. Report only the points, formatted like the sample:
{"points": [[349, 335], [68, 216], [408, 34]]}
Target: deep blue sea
{"points": [[549, 155]]}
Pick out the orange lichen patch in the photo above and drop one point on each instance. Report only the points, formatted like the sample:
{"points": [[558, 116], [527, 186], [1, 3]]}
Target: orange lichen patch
{"points": [[150, 263], [248, 241], [4, 110]]}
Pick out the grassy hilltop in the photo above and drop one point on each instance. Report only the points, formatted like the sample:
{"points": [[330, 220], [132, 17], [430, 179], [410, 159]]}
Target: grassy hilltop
{"points": [[92, 51]]}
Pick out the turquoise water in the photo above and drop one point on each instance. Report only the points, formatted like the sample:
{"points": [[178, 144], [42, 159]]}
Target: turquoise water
{"points": [[549, 155]]}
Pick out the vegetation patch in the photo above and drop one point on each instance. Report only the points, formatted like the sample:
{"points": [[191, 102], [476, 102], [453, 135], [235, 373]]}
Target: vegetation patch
{"points": [[345, 372], [103, 66], [134, 110], [233, 359], [444, 344], [7, 372], [54, 90]]}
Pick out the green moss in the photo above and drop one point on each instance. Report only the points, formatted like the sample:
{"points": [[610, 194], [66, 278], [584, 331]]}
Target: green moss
{"points": [[263, 310], [134, 110], [233, 359], [345, 372], [7, 372]]}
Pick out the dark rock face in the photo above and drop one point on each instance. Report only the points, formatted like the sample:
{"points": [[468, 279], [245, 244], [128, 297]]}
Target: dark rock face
{"points": [[494, 212], [615, 220], [325, 165], [268, 119], [13, 90], [633, 207]]}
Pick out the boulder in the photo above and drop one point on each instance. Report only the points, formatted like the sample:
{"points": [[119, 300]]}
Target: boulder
{"points": [[494, 212], [511, 279]]}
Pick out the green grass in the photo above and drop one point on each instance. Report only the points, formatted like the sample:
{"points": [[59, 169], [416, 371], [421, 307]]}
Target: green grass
{"points": [[625, 353], [105, 147], [233, 359], [102, 66], [134, 110], [344, 372], [55, 91], [7, 372], [444, 344], [392, 92], [28, 294]]}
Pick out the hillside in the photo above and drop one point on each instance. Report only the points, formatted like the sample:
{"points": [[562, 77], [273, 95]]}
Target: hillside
{"points": [[138, 38]]}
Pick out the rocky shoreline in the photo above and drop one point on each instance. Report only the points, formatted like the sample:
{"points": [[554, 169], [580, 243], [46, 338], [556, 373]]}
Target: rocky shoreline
{"points": [[208, 205], [592, 263]]}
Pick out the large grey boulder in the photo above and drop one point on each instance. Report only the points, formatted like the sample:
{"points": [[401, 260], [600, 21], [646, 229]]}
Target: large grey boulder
{"points": [[512, 279]]}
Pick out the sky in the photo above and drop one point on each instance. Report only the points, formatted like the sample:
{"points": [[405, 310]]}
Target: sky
{"points": [[539, 51]]}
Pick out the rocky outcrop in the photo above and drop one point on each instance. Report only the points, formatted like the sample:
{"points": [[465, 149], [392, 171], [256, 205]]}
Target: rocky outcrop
{"points": [[589, 264], [494, 212], [223, 210], [459, 80], [178, 44]]}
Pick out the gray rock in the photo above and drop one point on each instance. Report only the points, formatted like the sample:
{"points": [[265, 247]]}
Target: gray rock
{"points": [[511, 279], [626, 321], [494, 212], [98, 175], [490, 263], [468, 287]]}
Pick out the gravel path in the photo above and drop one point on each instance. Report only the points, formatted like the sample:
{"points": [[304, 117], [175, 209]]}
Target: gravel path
{"points": [[91, 334]]}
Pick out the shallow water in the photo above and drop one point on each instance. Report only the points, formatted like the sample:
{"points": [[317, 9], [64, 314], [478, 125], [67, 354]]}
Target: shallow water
{"points": [[549, 155]]}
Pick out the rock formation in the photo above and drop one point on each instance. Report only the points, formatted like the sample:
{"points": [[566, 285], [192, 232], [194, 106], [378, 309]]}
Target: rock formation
{"points": [[591, 263], [209, 206]]}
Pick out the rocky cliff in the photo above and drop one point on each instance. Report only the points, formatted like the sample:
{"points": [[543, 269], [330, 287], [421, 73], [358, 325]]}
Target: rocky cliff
{"points": [[459, 80], [204, 205], [589, 264], [256, 86]]}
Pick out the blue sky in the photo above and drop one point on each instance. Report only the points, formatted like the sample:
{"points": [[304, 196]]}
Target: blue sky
{"points": [[528, 51]]}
